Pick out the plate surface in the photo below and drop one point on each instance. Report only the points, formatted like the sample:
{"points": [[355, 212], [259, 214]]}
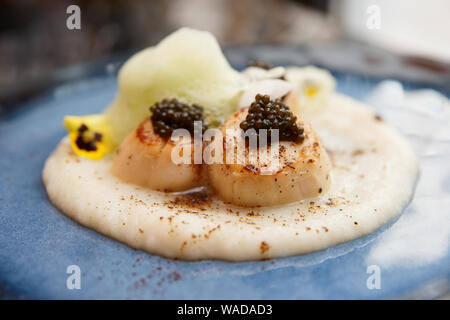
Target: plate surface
{"points": [[38, 243]]}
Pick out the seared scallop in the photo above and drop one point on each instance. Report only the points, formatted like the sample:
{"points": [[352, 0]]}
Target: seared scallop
{"points": [[144, 158], [289, 171], [292, 101]]}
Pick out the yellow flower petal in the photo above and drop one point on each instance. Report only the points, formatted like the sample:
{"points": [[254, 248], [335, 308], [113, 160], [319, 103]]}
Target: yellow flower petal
{"points": [[311, 91], [95, 124]]}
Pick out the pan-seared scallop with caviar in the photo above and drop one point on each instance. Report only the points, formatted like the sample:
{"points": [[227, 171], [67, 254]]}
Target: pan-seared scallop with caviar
{"points": [[259, 199], [145, 157], [294, 168]]}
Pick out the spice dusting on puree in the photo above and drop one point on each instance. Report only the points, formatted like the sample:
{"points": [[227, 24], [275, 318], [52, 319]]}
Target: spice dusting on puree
{"points": [[303, 193]]}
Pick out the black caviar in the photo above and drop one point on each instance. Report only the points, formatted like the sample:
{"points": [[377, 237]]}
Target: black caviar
{"points": [[267, 114], [170, 114]]}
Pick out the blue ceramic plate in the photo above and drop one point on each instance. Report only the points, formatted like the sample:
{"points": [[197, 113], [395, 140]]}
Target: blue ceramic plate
{"points": [[38, 243]]}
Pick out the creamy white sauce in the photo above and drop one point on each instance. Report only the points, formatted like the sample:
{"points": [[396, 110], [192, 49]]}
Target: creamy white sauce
{"points": [[371, 183]]}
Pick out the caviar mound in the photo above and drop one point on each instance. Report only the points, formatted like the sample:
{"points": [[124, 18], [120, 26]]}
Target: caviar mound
{"points": [[267, 114], [170, 114]]}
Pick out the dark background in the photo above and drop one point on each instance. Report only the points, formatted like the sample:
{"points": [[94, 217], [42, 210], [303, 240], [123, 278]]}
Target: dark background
{"points": [[36, 45], [34, 38]]}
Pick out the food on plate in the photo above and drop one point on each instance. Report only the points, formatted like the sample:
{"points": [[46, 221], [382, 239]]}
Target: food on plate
{"points": [[90, 136], [145, 156], [195, 160], [298, 168], [187, 65], [313, 86]]}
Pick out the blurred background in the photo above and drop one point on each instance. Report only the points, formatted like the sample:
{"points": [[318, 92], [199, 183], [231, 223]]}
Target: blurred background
{"points": [[34, 38]]}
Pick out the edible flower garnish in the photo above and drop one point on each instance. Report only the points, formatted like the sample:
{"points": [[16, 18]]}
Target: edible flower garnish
{"points": [[90, 136], [313, 85], [261, 78], [256, 73]]}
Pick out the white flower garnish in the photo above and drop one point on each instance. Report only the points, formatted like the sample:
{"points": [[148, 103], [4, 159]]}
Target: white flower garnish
{"points": [[255, 73], [261, 81], [313, 86], [274, 88]]}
